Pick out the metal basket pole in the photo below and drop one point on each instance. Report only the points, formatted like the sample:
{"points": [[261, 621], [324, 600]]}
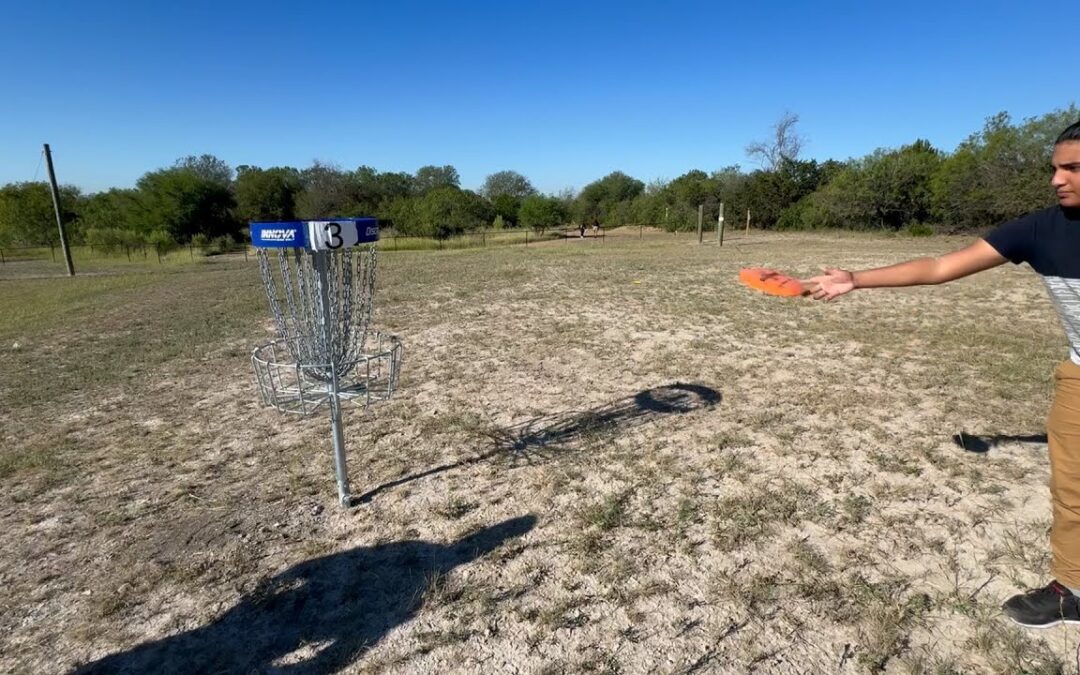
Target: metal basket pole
{"points": [[319, 259]]}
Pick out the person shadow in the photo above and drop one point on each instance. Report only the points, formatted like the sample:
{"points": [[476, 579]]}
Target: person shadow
{"points": [[328, 610]]}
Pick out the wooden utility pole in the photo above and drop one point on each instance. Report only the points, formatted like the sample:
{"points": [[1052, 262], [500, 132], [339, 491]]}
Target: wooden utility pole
{"points": [[700, 213], [56, 207]]}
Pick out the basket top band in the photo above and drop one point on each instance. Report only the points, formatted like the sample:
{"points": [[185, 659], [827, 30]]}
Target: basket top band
{"points": [[315, 235]]}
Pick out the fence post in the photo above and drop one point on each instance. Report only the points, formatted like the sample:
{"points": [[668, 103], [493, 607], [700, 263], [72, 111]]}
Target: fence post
{"points": [[700, 215], [157, 249], [720, 226], [191, 250], [52, 250], [526, 237], [2, 256]]}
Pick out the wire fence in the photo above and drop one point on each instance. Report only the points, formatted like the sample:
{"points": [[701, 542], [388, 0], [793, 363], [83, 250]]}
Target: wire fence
{"points": [[44, 257], [389, 241]]}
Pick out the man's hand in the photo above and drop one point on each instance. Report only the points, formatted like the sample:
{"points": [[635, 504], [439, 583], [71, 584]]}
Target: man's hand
{"points": [[974, 258], [832, 284]]}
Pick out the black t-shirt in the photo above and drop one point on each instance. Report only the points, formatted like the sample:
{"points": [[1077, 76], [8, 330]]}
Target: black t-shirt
{"points": [[1049, 241]]}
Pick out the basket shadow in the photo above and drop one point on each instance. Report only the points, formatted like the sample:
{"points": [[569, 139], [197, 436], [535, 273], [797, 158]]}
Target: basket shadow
{"points": [[547, 435]]}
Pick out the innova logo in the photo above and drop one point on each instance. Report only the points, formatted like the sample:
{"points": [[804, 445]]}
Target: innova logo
{"points": [[280, 234]]}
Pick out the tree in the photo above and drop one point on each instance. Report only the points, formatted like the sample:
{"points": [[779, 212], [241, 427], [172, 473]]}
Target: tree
{"points": [[402, 215], [505, 190], [510, 183], [599, 198], [27, 217], [373, 189], [888, 189], [328, 192], [207, 167], [693, 188], [394, 185], [768, 193], [506, 207], [999, 172], [183, 203], [784, 144], [900, 184], [266, 194], [540, 212], [447, 210], [116, 209], [429, 178]]}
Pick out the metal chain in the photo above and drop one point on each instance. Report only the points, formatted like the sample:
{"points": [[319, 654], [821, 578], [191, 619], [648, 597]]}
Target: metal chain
{"points": [[298, 314]]}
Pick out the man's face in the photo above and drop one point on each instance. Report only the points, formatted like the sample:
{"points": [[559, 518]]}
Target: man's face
{"points": [[1066, 180]]}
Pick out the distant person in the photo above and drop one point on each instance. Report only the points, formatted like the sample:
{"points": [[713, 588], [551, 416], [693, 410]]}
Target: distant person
{"points": [[595, 227], [1049, 241], [581, 229]]}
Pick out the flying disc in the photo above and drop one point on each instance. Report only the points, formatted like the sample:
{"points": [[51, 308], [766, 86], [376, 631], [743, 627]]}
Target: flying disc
{"points": [[770, 281]]}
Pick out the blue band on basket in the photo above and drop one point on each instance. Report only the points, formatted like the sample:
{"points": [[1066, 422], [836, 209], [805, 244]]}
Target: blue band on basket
{"points": [[317, 235]]}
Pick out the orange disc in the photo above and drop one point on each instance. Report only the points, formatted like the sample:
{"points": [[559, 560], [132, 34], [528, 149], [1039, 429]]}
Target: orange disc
{"points": [[770, 281]]}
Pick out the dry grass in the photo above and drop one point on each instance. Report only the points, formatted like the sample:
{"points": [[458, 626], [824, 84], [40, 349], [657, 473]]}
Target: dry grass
{"points": [[603, 457]]}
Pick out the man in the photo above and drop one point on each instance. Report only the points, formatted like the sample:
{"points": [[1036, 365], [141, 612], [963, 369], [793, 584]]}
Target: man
{"points": [[1049, 241]]}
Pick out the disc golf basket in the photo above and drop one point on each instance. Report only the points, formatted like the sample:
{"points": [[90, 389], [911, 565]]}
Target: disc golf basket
{"points": [[320, 281]]}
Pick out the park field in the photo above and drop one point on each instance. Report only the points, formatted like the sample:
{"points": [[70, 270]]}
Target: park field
{"points": [[603, 455]]}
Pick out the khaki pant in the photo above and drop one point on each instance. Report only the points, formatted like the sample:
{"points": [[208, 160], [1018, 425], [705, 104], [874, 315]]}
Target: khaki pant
{"points": [[1063, 435]]}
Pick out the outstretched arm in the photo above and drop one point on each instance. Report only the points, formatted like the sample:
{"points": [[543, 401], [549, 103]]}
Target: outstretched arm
{"points": [[977, 257]]}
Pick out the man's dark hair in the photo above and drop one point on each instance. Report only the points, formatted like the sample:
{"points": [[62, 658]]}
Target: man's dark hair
{"points": [[1071, 133]]}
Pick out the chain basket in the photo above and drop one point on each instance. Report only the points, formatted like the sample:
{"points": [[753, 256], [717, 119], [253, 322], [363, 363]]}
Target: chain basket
{"points": [[292, 286], [319, 278], [299, 388]]}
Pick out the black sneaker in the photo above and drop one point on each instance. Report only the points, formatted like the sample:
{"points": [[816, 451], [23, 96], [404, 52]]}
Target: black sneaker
{"points": [[1044, 607]]}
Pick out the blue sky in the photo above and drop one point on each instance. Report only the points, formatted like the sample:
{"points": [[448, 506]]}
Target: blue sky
{"points": [[562, 92]]}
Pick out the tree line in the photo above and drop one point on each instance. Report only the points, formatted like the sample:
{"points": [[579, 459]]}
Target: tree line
{"points": [[996, 173]]}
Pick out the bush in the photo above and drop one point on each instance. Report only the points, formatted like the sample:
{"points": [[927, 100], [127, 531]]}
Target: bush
{"points": [[794, 217], [162, 241], [222, 244], [920, 230], [113, 239]]}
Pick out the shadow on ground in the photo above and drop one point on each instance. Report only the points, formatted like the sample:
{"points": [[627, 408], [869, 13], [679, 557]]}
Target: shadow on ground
{"points": [[983, 443], [549, 434], [333, 608]]}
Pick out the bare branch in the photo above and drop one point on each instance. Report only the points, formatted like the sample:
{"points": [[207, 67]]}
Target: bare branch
{"points": [[785, 144]]}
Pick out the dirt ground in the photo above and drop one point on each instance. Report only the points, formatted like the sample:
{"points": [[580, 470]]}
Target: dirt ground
{"points": [[601, 457]]}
